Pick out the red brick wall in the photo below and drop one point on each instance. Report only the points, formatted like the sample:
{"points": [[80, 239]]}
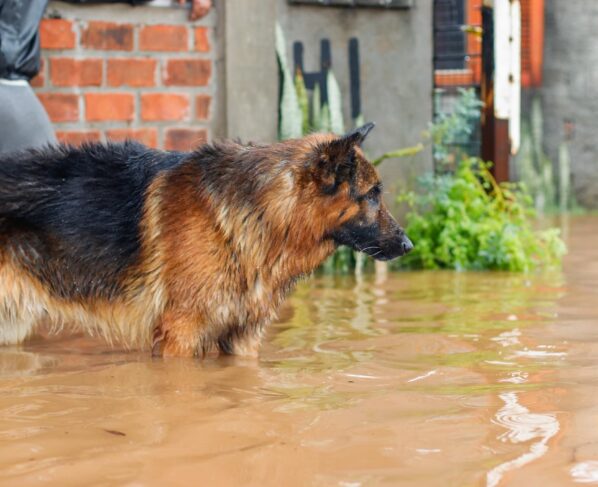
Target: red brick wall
{"points": [[151, 81]]}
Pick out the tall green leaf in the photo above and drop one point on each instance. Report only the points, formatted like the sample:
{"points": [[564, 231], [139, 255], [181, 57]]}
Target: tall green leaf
{"points": [[316, 109], [564, 177], [290, 118], [303, 100], [335, 104]]}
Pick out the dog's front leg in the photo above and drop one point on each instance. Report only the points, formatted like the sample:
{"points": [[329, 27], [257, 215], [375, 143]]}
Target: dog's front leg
{"points": [[176, 335], [243, 342]]}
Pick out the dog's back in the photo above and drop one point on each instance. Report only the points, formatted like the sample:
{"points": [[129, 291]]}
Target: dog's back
{"points": [[77, 205]]}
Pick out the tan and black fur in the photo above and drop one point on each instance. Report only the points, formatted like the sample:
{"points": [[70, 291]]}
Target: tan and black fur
{"points": [[180, 252]]}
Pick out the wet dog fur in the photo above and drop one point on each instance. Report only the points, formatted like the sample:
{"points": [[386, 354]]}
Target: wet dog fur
{"points": [[180, 252]]}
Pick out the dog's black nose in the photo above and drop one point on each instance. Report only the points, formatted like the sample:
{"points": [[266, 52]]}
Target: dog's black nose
{"points": [[407, 245]]}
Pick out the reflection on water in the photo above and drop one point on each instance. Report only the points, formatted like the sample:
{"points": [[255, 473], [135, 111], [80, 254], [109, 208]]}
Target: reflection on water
{"points": [[523, 427], [585, 472], [428, 379]]}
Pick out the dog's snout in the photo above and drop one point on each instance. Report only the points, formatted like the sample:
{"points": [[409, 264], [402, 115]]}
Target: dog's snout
{"points": [[406, 245]]}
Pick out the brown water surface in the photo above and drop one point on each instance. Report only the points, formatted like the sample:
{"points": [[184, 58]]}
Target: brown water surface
{"points": [[426, 379]]}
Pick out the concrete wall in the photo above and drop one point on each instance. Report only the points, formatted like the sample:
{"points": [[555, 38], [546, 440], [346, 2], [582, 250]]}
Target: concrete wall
{"points": [[396, 71], [114, 71], [570, 89]]}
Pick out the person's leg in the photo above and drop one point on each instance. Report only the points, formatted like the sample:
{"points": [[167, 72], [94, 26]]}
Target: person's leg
{"points": [[23, 121]]}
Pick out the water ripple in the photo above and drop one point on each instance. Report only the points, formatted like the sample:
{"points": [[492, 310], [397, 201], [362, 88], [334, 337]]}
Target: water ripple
{"points": [[522, 426], [585, 472]]}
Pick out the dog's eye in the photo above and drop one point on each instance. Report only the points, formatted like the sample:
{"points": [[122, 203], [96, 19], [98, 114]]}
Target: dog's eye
{"points": [[374, 193]]}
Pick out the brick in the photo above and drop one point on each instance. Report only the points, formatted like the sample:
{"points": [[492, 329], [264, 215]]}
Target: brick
{"points": [[109, 106], [39, 79], [66, 71], [184, 139], [61, 107], [131, 72], [163, 38], [108, 36], [202, 107], [202, 41], [164, 106], [147, 136], [188, 72], [77, 137], [56, 34]]}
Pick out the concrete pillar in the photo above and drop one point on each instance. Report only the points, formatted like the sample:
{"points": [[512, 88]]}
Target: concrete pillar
{"points": [[251, 72]]}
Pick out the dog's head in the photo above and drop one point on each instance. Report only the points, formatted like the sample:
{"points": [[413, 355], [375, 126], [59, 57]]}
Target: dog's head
{"points": [[349, 192]]}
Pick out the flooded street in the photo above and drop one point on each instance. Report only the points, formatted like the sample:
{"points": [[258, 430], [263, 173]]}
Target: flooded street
{"points": [[427, 379]]}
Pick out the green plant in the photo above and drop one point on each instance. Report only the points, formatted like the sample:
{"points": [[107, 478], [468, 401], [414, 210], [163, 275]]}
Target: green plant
{"points": [[451, 133], [406, 152], [565, 202], [335, 103], [462, 219], [299, 115], [466, 221], [535, 169], [303, 100], [290, 117]]}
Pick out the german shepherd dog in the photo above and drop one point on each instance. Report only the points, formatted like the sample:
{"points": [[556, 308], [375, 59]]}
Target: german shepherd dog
{"points": [[181, 253]]}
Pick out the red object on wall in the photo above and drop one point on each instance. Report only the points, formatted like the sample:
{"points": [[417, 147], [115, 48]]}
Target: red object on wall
{"points": [[532, 42], [532, 47]]}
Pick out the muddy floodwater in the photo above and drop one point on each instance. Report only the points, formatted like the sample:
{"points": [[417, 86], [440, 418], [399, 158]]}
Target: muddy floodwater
{"points": [[424, 379]]}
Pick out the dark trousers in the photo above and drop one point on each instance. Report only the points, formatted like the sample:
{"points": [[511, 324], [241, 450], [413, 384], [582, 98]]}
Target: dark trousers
{"points": [[23, 121]]}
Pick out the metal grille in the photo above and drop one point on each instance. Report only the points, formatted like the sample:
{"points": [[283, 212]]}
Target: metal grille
{"points": [[449, 38]]}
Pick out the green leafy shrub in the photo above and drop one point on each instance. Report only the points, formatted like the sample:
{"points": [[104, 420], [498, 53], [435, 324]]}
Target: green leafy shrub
{"points": [[466, 221], [451, 133]]}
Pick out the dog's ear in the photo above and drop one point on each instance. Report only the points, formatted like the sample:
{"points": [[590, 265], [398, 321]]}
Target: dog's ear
{"points": [[358, 135], [336, 161], [338, 148]]}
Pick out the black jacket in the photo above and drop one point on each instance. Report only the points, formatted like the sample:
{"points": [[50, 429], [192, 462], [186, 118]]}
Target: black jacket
{"points": [[19, 37]]}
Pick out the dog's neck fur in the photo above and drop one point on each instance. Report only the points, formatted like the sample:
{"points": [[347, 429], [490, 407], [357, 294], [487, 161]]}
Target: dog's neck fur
{"points": [[267, 221]]}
